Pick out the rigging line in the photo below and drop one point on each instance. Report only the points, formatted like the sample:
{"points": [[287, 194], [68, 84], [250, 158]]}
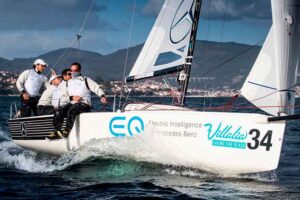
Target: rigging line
{"points": [[232, 58], [172, 92], [78, 35], [85, 19], [223, 22], [64, 53], [127, 53], [206, 55], [275, 92], [221, 36]]}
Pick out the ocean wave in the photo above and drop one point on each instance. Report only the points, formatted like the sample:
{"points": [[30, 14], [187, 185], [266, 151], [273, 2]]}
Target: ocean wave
{"points": [[12, 156]]}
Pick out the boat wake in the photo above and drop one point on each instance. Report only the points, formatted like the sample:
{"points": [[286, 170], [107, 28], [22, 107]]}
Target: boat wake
{"points": [[12, 156]]}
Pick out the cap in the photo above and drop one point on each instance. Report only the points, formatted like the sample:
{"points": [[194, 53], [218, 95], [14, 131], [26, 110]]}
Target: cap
{"points": [[52, 78], [40, 61]]}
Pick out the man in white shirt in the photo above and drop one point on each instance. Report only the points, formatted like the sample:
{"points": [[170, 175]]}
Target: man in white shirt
{"points": [[29, 84], [79, 90]]}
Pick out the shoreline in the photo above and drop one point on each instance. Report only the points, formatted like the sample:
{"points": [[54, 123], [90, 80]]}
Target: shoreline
{"points": [[111, 96]]}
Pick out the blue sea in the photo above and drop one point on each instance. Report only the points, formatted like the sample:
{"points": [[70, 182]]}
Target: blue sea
{"points": [[99, 171]]}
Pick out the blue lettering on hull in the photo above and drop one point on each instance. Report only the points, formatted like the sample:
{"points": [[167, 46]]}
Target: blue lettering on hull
{"points": [[119, 126]]}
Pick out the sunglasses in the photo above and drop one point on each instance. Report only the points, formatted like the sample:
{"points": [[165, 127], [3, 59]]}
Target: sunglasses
{"points": [[68, 74]]}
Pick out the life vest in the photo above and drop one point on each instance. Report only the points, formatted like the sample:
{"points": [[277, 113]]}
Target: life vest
{"points": [[78, 87], [33, 83]]}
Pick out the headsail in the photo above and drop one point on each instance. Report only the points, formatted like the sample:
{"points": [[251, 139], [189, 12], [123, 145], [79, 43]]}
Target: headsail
{"points": [[167, 45], [270, 84]]}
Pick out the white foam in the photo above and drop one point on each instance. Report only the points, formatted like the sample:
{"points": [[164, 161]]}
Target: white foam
{"points": [[139, 148], [145, 148], [13, 156]]}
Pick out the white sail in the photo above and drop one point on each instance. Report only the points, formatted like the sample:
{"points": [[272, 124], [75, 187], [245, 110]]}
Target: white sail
{"points": [[166, 47], [270, 84]]}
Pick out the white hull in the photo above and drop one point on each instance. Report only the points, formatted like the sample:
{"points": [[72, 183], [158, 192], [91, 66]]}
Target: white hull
{"points": [[215, 142]]}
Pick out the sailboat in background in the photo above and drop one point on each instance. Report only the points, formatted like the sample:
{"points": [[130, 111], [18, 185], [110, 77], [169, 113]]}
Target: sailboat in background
{"points": [[219, 142]]}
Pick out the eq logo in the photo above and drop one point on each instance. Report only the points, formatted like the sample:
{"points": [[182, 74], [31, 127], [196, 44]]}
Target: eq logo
{"points": [[121, 126], [23, 129]]}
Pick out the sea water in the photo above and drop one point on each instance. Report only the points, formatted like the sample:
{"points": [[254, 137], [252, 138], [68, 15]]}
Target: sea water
{"points": [[123, 168]]}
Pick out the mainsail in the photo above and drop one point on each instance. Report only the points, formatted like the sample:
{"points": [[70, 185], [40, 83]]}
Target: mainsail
{"points": [[166, 47], [270, 84]]}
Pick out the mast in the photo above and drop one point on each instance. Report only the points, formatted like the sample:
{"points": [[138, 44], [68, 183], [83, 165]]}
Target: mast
{"points": [[184, 75]]}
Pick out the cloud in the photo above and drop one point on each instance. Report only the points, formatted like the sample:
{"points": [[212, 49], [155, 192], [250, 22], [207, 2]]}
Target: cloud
{"points": [[152, 8], [49, 15], [215, 9], [26, 44], [236, 9]]}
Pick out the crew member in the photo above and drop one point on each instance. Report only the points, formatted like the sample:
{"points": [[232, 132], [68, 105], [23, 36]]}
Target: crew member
{"points": [[79, 90], [60, 98], [29, 84], [45, 106], [66, 74]]}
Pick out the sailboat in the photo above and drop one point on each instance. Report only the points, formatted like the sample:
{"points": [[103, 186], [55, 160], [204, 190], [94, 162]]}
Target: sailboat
{"points": [[217, 142]]}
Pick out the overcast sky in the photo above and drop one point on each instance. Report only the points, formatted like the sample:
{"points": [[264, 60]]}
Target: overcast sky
{"points": [[29, 28]]}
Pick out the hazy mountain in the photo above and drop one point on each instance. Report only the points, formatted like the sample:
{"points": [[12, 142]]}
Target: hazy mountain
{"points": [[228, 63], [4, 64]]}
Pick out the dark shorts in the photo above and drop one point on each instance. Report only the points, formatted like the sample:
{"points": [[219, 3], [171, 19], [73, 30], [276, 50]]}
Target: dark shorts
{"points": [[45, 110]]}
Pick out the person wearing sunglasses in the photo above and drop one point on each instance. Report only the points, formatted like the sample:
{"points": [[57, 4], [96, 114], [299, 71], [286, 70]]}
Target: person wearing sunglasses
{"points": [[29, 84], [66, 74], [79, 90], [60, 99]]}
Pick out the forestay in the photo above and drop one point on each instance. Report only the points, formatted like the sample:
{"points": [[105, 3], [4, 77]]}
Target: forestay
{"points": [[166, 47], [270, 84]]}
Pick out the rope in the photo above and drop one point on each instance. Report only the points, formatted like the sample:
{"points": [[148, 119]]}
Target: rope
{"points": [[77, 37], [206, 53], [64, 53], [274, 93], [224, 108], [223, 21], [172, 92], [216, 108], [229, 104], [85, 19], [232, 58], [127, 53]]}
